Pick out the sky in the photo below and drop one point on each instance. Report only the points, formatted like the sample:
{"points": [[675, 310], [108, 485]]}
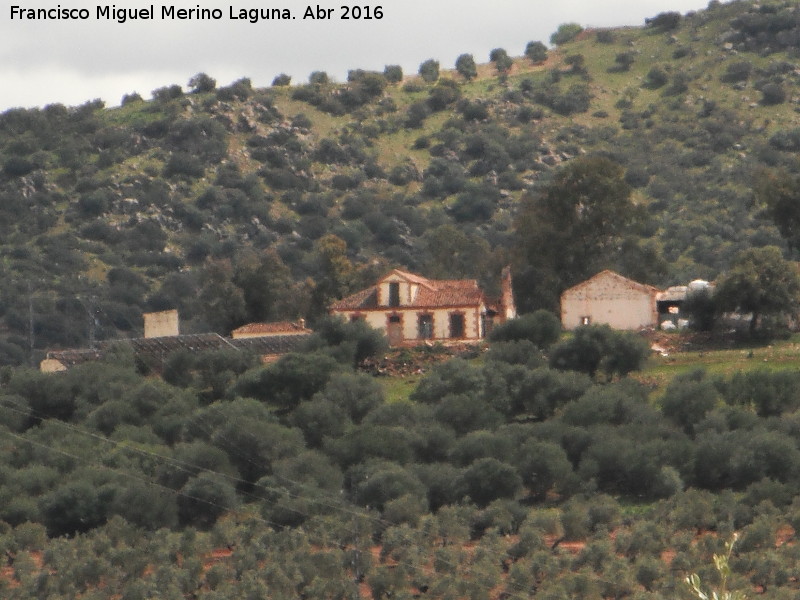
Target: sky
{"points": [[72, 61]]}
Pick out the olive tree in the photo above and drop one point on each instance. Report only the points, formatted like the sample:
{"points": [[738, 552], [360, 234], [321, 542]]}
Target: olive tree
{"points": [[596, 348], [466, 67], [393, 73], [536, 52], [760, 282], [429, 70], [502, 61], [201, 83], [488, 479], [565, 33]]}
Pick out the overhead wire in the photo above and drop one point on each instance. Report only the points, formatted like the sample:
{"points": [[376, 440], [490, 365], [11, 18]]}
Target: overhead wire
{"points": [[333, 502], [185, 467], [194, 469], [424, 570]]}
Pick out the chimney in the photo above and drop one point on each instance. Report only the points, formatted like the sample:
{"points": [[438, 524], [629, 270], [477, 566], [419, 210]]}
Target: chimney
{"points": [[507, 306], [161, 324]]}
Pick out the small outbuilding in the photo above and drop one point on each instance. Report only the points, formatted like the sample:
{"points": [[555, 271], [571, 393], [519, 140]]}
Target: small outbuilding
{"points": [[611, 299]]}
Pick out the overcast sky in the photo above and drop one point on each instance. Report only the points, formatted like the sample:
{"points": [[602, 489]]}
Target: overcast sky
{"points": [[72, 61]]}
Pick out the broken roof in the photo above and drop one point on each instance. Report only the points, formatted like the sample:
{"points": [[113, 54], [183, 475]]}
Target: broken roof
{"points": [[163, 346], [676, 293]]}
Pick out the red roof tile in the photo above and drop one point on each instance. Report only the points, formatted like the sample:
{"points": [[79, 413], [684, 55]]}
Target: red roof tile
{"points": [[433, 293], [363, 300], [270, 328], [413, 278], [608, 274], [450, 293]]}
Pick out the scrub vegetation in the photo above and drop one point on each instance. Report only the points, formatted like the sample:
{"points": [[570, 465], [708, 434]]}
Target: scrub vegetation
{"points": [[543, 464]]}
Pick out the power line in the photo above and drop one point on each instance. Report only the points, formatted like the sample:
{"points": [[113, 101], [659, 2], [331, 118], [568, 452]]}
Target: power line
{"points": [[344, 509], [411, 566], [31, 331]]}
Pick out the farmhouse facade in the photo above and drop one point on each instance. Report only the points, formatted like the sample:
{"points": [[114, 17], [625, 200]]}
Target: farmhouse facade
{"points": [[411, 309], [611, 299]]}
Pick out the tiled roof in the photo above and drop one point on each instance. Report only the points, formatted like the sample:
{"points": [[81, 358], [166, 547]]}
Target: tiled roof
{"points": [[270, 328], [675, 293], [363, 300], [73, 358], [608, 274], [271, 344], [413, 278], [462, 292], [172, 343], [433, 293], [163, 346]]}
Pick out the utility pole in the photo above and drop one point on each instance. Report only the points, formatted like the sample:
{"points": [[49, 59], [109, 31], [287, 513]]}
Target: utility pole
{"points": [[31, 332], [356, 562], [87, 306]]}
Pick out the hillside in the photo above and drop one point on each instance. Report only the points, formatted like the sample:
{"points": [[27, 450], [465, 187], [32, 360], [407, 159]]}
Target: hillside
{"points": [[490, 476], [239, 204], [537, 465]]}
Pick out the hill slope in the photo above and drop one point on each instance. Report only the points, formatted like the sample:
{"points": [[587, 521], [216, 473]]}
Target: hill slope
{"points": [[238, 204]]}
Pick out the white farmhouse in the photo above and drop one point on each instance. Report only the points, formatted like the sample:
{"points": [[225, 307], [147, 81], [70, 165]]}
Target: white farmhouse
{"points": [[611, 299]]}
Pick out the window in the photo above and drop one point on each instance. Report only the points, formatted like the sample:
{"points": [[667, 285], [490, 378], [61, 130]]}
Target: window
{"points": [[394, 294], [356, 318], [586, 320], [456, 325], [425, 327]]}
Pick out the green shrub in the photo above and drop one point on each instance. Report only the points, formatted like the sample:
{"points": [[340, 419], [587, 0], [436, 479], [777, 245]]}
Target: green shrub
{"points": [[655, 78], [565, 33], [542, 328], [393, 73], [429, 70], [204, 499], [596, 348], [536, 52], [489, 479], [665, 21], [466, 67]]}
